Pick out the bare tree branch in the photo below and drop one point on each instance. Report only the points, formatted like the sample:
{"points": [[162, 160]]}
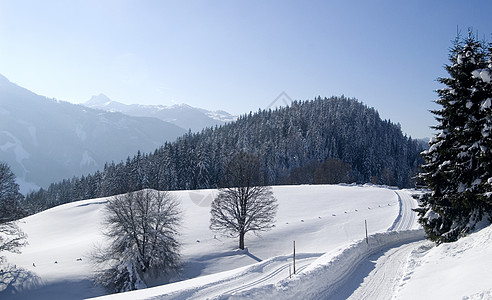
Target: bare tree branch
{"points": [[245, 205], [142, 229]]}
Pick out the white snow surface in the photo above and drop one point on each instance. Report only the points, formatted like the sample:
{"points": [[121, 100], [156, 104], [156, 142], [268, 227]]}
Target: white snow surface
{"points": [[333, 258]]}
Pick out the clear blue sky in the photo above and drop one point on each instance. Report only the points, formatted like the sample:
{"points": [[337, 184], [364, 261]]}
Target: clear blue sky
{"points": [[238, 55]]}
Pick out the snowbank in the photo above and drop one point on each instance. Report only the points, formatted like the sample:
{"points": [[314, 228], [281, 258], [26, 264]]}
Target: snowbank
{"points": [[322, 278], [459, 270]]}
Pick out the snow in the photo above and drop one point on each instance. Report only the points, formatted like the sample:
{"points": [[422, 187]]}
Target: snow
{"points": [[485, 75], [80, 132], [487, 103], [32, 131], [333, 258], [464, 267], [482, 74], [459, 59], [87, 159], [431, 215], [13, 142]]}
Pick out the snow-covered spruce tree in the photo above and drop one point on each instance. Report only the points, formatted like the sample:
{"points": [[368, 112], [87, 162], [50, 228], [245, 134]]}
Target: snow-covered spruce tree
{"points": [[142, 229], [10, 197], [457, 165], [484, 77], [245, 203]]}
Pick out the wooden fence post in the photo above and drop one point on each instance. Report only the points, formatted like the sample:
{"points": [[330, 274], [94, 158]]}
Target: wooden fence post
{"points": [[294, 257]]}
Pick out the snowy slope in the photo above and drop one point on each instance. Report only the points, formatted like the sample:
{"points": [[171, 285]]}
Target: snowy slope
{"points": [[319, 218], [460, 270], [329, 276], [333, 259]]}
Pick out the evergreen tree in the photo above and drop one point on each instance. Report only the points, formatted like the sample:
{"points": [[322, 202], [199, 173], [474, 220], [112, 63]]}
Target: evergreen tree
{"points": [[10, 197], [484, 77], [457, 164], [11, 236]]}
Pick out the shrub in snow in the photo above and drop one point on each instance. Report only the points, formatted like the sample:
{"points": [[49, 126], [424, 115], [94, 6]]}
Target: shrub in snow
{"points": [[458, 163], [142, 229]]}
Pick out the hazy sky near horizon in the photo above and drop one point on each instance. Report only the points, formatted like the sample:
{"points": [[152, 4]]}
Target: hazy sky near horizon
{"points": [[238, 55]]}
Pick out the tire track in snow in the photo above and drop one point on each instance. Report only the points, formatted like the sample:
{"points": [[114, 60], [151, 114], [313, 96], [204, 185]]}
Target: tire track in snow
{"points": [[406, 219], [333, 276], [304, 264], [246, 281], [259, 281], [381, 274]]}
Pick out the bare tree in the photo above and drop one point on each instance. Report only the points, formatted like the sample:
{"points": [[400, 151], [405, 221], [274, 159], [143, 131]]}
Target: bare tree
{"points": [[142, 228], [245, 204], [11, 238]]}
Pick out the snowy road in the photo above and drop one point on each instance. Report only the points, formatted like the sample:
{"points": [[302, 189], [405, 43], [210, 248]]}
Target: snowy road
{"points": [[381, 274], [406, 219], [270, 272]]}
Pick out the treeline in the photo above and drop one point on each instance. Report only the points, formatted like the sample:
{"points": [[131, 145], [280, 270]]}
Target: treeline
{"points": [[328, 140]]}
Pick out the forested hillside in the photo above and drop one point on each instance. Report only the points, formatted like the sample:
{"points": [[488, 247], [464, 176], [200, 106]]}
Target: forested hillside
{"points": [[328, 140], [45, 140]]}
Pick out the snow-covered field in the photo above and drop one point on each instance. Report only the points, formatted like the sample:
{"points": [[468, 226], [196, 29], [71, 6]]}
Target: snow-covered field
{"points": [[333, 259]]}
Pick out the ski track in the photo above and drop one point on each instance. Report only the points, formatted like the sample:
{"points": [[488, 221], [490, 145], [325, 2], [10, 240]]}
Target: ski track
{"points": [[384, 273], [380, 274], [271, 272], [407, 218], [270, 277]]}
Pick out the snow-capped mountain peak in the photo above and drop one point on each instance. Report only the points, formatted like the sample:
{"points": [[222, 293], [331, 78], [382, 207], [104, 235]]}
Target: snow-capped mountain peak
{"points": [[98, 100], [182, 115], [103, 102]]}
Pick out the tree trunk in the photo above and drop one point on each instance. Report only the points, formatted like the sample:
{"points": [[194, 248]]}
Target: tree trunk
{"points": [[241, 240]]}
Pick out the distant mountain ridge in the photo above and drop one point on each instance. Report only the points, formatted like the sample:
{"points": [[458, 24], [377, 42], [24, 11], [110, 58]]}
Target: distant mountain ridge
{"points": [[45, 140], [321, 141], [182, 115]]}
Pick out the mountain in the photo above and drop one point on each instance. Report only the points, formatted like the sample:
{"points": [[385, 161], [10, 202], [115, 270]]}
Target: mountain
{"points": [[45, 140], [330, 140], [182, 115]]}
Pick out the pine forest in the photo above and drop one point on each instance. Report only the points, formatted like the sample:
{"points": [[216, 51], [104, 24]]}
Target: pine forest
{"points": [[330, 140]]}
